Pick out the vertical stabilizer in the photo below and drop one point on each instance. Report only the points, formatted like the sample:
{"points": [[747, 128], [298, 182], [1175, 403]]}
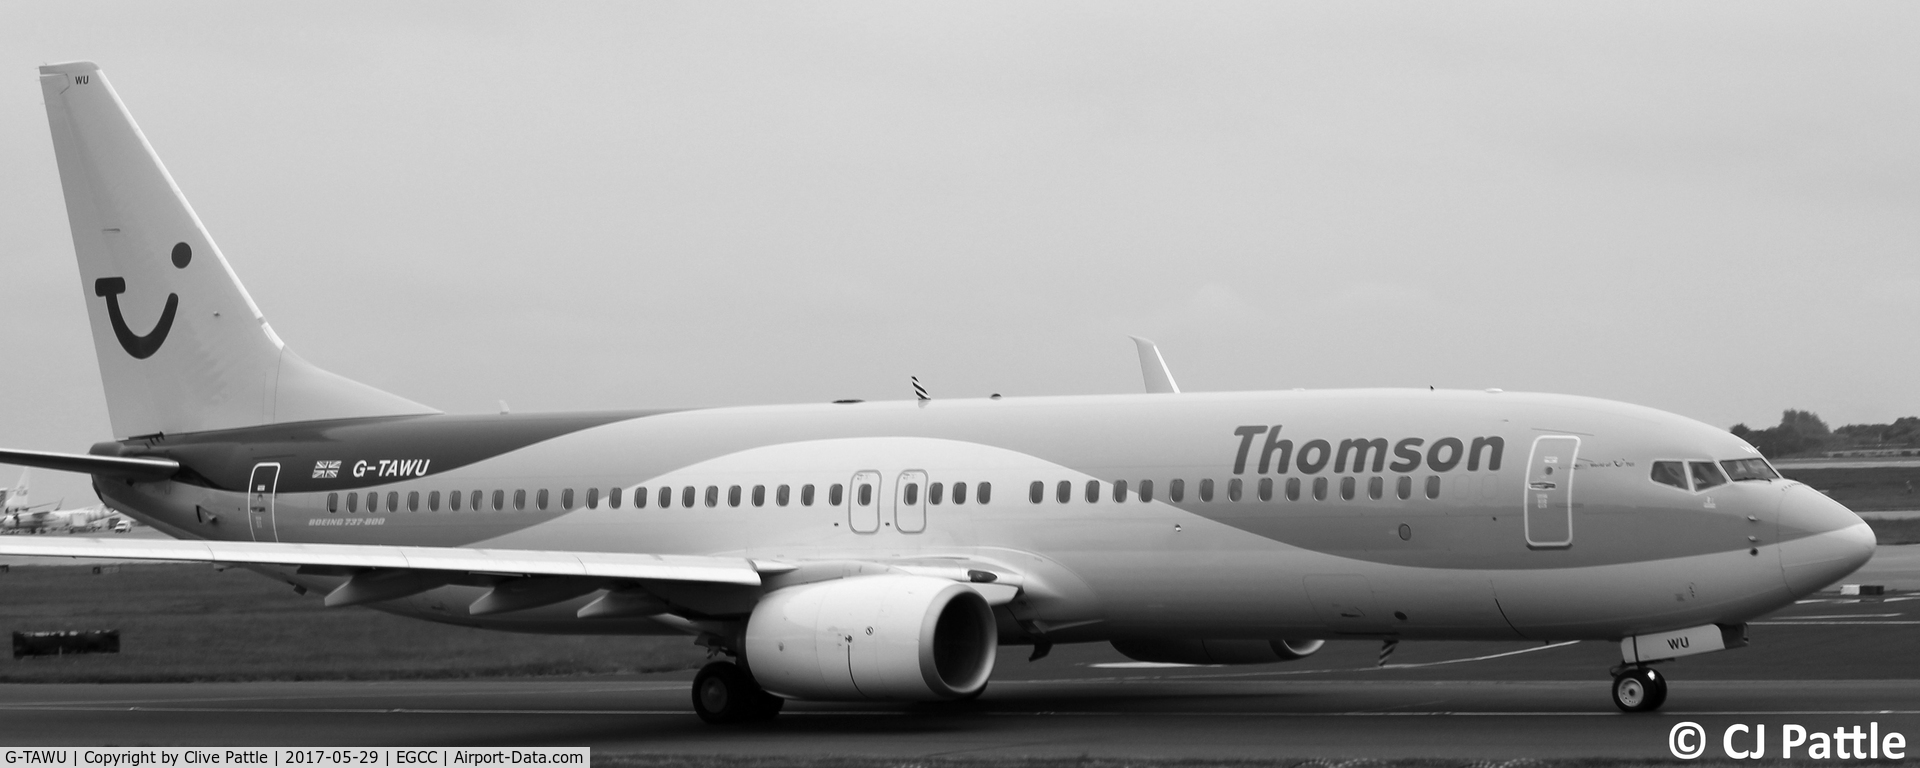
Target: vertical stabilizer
{"points": [[181, 346], [16, 499]]}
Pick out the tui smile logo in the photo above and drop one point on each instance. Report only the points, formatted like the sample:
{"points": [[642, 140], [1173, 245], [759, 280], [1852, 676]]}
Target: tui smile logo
{"points": [[139, 345]]}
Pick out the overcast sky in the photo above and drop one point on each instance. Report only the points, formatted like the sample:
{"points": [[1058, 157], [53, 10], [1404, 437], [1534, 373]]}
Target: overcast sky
{"points": [[1709, 208]]}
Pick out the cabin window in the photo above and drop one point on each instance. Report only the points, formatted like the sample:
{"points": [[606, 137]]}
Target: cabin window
{"points": [[759, 495], [475, 506], [519, 499], [393, 501], [1749, 469], [687, 495], [911, 494], [1146, 491], [833, 495], [1119, 491], [1206, 489], [1376, 487], [984, 493], [866, 494], [713, 496], [733, 496], [453, 500], [1233, 489], [353, 502], [1064, 491], [1669, 473], [1346, 488], [373, 501], [935, 492], [593, 498], [1319, 489], [499, 500], [1293, 489], [666, 497], [1093, 491], [333, 502], [1433, 486], [540, 499], [1037, 491], [959, 493], [1403, 487], [433, 501], [1177, 490], [806, 495], [1705, 475], [413, 501], [782, 495], [1266, 489], [566, 498], [639, 497]]}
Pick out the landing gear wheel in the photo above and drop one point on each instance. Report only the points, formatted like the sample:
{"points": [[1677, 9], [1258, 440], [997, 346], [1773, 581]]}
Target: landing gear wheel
{"points": [[1639, 690], [725, 693]]}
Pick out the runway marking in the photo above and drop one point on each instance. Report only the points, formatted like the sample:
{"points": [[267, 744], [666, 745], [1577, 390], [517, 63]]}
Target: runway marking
{"points": [[1842, 616], [1019, 713], [1280, 672]]}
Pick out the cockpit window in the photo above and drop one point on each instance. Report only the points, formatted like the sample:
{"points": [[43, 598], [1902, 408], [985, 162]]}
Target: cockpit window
{"points": [[1670, 473], [1749, 469], [1705, 475]]}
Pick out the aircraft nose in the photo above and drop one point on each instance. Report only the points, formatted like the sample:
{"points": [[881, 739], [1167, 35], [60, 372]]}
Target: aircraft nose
{"points": [[1821, 541]]}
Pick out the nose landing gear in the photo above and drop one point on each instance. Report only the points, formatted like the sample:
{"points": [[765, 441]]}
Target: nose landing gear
{"points": [[1639, 689]]}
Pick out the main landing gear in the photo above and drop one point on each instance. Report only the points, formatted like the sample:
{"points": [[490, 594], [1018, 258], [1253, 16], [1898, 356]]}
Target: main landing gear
{"points": [[1639, 689], [725, 693]]}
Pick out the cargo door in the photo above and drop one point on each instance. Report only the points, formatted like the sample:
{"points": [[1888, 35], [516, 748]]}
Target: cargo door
{"points": [[1549, 491], [260, 489]]}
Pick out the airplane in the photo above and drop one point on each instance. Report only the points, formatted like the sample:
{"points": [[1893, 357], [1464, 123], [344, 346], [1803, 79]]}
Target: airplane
{"points": [[17, 515], [889, 550]]}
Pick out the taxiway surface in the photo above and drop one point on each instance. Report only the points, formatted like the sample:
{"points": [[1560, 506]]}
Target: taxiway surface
{"points": [[1828, 662]]}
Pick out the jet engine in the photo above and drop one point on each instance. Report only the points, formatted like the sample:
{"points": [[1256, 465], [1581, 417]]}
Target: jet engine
{"points": [[888, 637], [1217, 651]]}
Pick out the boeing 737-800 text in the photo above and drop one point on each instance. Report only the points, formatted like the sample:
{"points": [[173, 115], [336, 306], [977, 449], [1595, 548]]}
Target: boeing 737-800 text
{"points": [[887, 550]]}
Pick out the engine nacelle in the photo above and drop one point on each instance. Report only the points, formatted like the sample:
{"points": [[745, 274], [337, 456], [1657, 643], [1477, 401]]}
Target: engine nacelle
{"points": [[1217, 651], [889, 637]]}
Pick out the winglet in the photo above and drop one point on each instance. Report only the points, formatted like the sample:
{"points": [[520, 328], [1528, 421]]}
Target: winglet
{"points": [[1153, 368]]}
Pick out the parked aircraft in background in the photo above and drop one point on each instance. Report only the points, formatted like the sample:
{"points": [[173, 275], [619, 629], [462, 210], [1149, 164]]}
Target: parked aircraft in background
{"points": [[887, 550]]}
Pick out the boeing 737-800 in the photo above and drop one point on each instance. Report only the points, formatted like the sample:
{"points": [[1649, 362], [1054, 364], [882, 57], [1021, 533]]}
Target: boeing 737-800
{"points": [[887, 550]]}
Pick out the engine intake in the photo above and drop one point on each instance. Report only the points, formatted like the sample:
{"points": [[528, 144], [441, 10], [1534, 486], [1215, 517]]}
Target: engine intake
{"points": [[1217, 651], [890, 637]]}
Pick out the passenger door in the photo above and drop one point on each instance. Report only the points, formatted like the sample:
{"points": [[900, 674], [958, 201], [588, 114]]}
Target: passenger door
{"points": [[260, 489], [910, 502], [1549, 492], [863, 502]]}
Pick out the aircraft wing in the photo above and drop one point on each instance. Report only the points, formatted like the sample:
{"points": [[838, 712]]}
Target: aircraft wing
{"points": [[350, 557]]}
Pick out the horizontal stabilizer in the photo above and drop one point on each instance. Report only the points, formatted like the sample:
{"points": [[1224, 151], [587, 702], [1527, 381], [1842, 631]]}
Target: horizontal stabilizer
{"points": [[129, 467]]}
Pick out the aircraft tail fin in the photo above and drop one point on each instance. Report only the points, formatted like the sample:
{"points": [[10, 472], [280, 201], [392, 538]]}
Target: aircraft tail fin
{"points": [[181, 346], [17, 498]]}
